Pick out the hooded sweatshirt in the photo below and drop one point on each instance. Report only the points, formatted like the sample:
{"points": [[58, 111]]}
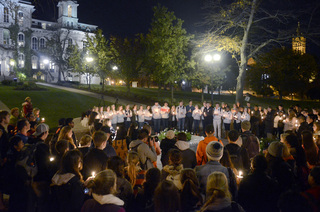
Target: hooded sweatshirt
{"points": [[147, 154], [189, 159], [201, 149]]}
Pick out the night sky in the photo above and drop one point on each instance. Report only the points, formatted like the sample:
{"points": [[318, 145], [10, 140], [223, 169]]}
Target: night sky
{"points": [[129, 17]]}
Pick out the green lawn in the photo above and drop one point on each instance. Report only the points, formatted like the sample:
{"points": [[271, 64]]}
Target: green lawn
{"points": [[53, 103], [149, 95]]}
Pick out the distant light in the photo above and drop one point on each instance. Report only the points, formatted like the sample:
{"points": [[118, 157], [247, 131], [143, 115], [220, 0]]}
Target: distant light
{"points": [[120, 82], [89, 59], [208, 58], [115, 68], [175, 81], [112, 82], [183, 82], [12, 62], [51, 159], [216, 57], [46, 61]]}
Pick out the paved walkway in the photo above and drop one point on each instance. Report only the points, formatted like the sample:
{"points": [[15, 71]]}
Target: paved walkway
{"points": [[91, 94]]}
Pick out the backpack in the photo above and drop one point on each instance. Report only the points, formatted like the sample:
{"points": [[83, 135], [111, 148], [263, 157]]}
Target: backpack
{"points": [[250, 142], [142, 165], [26, 164], [120, 146], [236, 158]]}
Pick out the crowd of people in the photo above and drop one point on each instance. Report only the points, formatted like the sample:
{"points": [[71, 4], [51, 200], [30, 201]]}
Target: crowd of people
{"points": [[113, 167]]}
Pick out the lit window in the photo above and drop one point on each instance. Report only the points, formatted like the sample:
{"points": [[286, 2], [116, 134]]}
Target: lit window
{"points": [[42, 43], [6, 15], [34, 61], [44, 25], [21, 60], [20, 16], [34, 43], [21, 39], [69, 11], [6, 36]]}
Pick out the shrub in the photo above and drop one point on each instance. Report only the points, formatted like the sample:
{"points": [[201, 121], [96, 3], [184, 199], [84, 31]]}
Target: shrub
{"points": [[29, 86], [7, 82]]}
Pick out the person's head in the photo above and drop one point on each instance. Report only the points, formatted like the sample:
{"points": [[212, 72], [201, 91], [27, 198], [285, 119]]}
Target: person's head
{"points": [[147, 127], [27, 99], [190, 102], [121, 133], [103, 183], [209, 130], [36, 112], [166, 104], [204, 103], [156, 103], [196, 107], [217, 187], [62, 146], [65, 133], [214, 151], [175, 157], [301, 119], [141, 107], [33, 125], [4, 117], [182, 136], [259, 163], [143, 135], [233, 136], [153, 177], [92, 118], [69, 122], [310, 147], [166, 197], [293, 201], [310, 119], [217, 105], [173, 108], [245, 126], [72, 163], [275, 149], [181, 103], [62, 122], [316, 126], [113, 107], [85, 141], [16, 143], [30, 117], [15, 112], [42, 131], [127, 107], [170, 134], [314, 176], [100, 139], [208, 104], [23, 125], [107, 108], [116, 164], [226, 159]]}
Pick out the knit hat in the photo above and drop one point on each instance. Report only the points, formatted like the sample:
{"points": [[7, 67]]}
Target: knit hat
{"points": [[214, 151], [41, 128], [170, 134], [276, 149]]}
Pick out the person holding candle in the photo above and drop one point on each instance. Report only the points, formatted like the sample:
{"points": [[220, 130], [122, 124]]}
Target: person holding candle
{"points": [[173, 118], [156, 116], [269, 123], [120, 116], [255, 120], [114, 118], [196, 114], [208, 116], [140, 117], [148, 115], [204, 105], [127, 117], [189, 118], [165, 110], [227, 117], [237, 120], [217, 114], [181, 115]]}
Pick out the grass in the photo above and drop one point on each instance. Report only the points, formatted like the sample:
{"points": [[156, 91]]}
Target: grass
{"points": [[149, 95], [53, 103]]}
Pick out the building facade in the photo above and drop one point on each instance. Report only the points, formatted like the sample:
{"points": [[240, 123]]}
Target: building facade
{"points": [[23, 39]]}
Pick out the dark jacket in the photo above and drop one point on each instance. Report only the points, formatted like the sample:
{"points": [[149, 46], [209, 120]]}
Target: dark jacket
{"points": [[92, 205], [251, 143], [189, 159], [165, 145], [109, 150], [84, 150], [67, 193], [4, 142], [269, 122], [42, 158], [239, 156], [94, 161], [258, 192]]}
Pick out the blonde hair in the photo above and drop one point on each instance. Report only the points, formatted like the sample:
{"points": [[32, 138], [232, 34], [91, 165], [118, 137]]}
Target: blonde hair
{"points": [[217, 188], [63, 135], [133, 162], [85, 140]]}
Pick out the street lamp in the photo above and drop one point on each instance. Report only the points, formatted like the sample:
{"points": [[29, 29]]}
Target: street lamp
{"points": [[89, 60], [115, 68], [212, 58]]}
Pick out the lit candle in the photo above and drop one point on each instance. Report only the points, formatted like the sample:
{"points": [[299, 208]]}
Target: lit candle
{"points": [[252, 112], [240, 175], [93, 174], [51, 159], [43, 119]]}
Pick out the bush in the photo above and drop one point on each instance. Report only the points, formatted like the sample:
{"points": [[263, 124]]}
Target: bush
{"points": [[7, 82], [29, 86]]}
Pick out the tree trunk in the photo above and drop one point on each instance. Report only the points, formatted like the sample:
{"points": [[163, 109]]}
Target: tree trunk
{"points": [[102, 89], [202, 95], [128, 86], [280, 94], [212, 95]]}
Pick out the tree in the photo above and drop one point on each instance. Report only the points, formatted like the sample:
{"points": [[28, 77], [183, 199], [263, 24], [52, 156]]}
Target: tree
{"points": [[167, 46], [56, 47], [285, 71], [98, 48], [128, 54], [244, 28]]}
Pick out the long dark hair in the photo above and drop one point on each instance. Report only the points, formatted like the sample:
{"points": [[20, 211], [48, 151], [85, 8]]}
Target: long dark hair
{"points": [[310, 148], [190, 194], [70, 163], [166, 197], [152, 180]]}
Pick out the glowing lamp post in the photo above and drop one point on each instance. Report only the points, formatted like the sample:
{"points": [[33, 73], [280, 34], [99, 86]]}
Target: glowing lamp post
{"points": [[212, 58], [89, 60]]}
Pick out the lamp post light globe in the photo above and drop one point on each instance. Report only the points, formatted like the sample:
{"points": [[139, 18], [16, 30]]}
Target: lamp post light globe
{"points": [[217, 57], [12, 62], [89, 59], [115, 68], [45, 61], [208, 58]]}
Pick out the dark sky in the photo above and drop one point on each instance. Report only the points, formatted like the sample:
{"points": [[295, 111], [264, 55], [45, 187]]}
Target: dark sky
{"points": [[129, 17]]}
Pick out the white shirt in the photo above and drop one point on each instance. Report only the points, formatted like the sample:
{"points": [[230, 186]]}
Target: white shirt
{"points": [[196, 114], [227, 117], [245, 117], [236, 117], [156, 112], [181, 112], [140, 114], [147, 115], [120, 116], [165, 110], [217, 113]]}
